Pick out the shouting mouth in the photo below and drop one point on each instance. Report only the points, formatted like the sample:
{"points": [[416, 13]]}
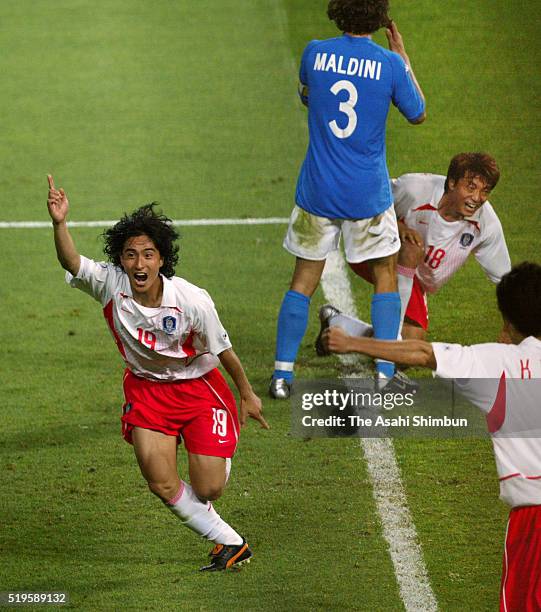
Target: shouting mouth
{"points": [[140, 278]]}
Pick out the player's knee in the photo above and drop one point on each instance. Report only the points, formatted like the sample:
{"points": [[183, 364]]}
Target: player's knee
{"points": [[209, 491], [164, 490], [412, 331], [410, 255]]}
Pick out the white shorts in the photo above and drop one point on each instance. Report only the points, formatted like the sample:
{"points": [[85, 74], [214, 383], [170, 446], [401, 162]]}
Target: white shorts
{"points": [[312, 237]]}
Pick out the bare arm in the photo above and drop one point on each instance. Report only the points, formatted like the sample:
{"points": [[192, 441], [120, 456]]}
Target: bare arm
{"points": [[407, 352], [396, 44], [58, 206], [250, 404]]}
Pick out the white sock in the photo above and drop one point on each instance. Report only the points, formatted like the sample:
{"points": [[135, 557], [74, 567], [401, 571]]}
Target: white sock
{"points": [[227, 468], [201, 517], [352, 326], [405, 285]]}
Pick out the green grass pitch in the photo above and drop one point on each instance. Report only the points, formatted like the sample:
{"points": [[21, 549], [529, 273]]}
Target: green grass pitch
{"points": [[194, 104]]}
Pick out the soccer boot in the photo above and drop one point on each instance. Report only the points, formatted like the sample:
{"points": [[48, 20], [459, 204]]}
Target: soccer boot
{"points": [[399, 383], [226, 556], [326, 312], [279, 388]]}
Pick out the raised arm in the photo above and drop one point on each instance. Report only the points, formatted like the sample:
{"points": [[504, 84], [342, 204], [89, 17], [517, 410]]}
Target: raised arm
{"points": [[396, 44], [250, 404], [58, 206], [406, 352]]}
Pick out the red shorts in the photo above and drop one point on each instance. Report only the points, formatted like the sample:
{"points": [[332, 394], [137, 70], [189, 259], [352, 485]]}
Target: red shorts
{"points": [[417, 310], [200, 410], [521, 575]]}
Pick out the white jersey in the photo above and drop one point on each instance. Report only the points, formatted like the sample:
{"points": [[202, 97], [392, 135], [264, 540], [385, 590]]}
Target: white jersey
{"points": [[448, 243], [178, 340], [504, 381]]}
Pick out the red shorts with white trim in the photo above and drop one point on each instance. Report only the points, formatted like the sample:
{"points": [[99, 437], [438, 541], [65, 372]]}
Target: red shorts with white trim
{"points": [[417, 310], [202, 411], [521, 575]]}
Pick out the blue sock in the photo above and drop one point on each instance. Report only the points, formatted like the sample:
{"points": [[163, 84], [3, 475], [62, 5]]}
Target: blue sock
{"points": [[385, 313], [292, 322]]}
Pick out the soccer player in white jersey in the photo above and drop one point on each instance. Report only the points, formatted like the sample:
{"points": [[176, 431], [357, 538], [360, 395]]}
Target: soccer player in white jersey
{"points": [[496, 377], [171, 339], [348, 84], [442, 221]]}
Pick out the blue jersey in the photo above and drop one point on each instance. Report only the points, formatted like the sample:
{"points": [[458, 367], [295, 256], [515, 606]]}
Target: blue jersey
{"points": [[351, 82]]}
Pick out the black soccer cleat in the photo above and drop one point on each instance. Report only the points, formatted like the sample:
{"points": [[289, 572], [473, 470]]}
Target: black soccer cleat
{"points": [[399, 383], [326, 312], [227, 556]]}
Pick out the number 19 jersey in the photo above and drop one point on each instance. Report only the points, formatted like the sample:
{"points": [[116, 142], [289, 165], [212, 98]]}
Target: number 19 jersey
{"points": [[178, 340], [351, 82]]}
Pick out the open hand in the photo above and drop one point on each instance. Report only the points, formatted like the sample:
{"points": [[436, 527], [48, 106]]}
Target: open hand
{"points": [[410, 235]]}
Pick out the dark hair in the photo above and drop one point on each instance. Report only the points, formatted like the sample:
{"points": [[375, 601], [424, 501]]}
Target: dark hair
{"points": [[359, 16], [145, 221], [476, 164], [519, 298]]}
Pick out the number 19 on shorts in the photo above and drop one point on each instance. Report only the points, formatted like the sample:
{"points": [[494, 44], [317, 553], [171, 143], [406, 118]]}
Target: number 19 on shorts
{"points": [[219, 418]]}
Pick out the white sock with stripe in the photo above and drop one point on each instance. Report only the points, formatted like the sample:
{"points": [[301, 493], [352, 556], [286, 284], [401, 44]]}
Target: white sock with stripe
{"points": [[201, 517]]}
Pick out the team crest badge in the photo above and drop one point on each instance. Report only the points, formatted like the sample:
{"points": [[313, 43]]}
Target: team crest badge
{"points": [[466, 239], [169, 324]]}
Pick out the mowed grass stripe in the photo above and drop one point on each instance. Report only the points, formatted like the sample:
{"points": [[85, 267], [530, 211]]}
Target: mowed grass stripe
{"points": [[50, 373], [188, 104], [482, 94], [98, 533], [388, 491]]}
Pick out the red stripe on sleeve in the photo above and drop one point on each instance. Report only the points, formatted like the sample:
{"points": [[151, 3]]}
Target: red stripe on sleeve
{"points": [[425, 207]]}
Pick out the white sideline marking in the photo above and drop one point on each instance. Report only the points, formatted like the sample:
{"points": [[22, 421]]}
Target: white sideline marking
{"points": [[181, 222], [389, 494]]}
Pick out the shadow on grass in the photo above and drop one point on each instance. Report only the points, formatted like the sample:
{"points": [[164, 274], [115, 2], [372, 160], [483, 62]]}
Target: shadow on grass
{"points": [[58, 435]]}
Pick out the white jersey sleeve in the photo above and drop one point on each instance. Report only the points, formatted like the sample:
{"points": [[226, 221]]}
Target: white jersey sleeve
{"points": [[492, 253], [456, 361], [98, 279], [207, 325], [503, 381], [409, 190], [473, 369]]}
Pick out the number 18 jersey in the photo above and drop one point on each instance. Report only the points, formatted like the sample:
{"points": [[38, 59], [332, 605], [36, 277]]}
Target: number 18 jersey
{"points": [[448, 244], [351, 82]]}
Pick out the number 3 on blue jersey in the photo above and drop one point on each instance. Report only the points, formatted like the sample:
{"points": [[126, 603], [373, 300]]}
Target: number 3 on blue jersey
{"points": [[346, 107]]}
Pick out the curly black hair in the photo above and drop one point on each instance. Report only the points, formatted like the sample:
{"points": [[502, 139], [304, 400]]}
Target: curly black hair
{"points": [[359, 16], [519, 298], [144, 221]]}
